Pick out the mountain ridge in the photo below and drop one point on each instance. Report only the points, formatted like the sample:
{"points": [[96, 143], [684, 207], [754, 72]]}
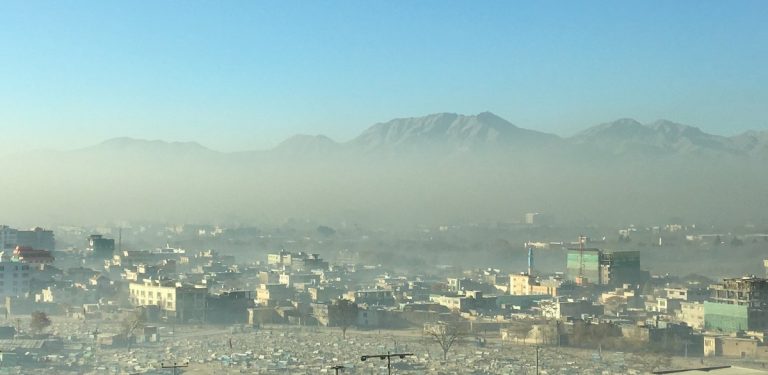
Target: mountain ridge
{"points": [[423, 170], [449, 132], [130, 143]]}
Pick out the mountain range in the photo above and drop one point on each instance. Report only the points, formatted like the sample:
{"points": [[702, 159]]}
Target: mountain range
{"points": [[434, 169], [484, 132]]}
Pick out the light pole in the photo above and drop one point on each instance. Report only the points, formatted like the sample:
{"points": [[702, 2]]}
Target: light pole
{"points": [[537, 360], [388, 357]]}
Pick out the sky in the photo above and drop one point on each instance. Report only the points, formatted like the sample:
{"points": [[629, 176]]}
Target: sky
{"points": [[242, 75]]}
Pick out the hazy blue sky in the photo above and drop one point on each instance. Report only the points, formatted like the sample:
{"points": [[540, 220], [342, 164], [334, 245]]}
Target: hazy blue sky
{"points": [[239, 75]]}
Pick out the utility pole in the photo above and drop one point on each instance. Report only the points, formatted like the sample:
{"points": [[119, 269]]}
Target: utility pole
{"points": [[174, 367], [537, 360], [95, 334], [337, 368], [388, 357]]}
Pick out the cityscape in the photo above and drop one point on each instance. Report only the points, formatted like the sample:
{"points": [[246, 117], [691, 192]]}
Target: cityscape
{"points": [[384, 187], [311, 298]]}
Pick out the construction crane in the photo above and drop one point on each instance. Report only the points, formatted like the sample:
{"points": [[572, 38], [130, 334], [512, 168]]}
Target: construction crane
{"points": [[582, 241]]}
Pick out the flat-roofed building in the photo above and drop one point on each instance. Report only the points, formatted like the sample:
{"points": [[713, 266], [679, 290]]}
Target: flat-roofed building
{"points": [[523, 284], [15, 279], [26, 254], [8, 237], [595, 266], [100, 247], [738, 304], [561, 309], [692, 313], [273, 294], [297, 261], [37, 238], [372, 297], [176, 300]]}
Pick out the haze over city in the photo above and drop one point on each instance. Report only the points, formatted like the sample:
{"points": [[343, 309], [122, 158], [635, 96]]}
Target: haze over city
{"points": [[384, 187]]}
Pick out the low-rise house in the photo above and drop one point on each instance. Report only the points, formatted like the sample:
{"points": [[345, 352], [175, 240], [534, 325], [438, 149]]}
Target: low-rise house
{"points": [[466, 302], [692, 314], [372, 297], [321, 294], [561, 309], [735, 346], [229, 307], [274, 294]]}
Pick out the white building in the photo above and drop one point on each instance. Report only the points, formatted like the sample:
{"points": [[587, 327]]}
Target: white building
{"points": [[184, 302]]}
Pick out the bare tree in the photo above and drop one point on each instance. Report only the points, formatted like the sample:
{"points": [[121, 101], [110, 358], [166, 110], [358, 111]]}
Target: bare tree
{"points": [[39, 322], [520, 329], [131, 322], [445, 335], [344, 314]]}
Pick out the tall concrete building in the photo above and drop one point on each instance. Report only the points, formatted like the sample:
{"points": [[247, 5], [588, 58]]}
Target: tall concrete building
{"points": [[14, 279], [36, 238], [621, 267], [583, 263], [100, 247], [8, 237], [739, 304], [605, 267]]}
